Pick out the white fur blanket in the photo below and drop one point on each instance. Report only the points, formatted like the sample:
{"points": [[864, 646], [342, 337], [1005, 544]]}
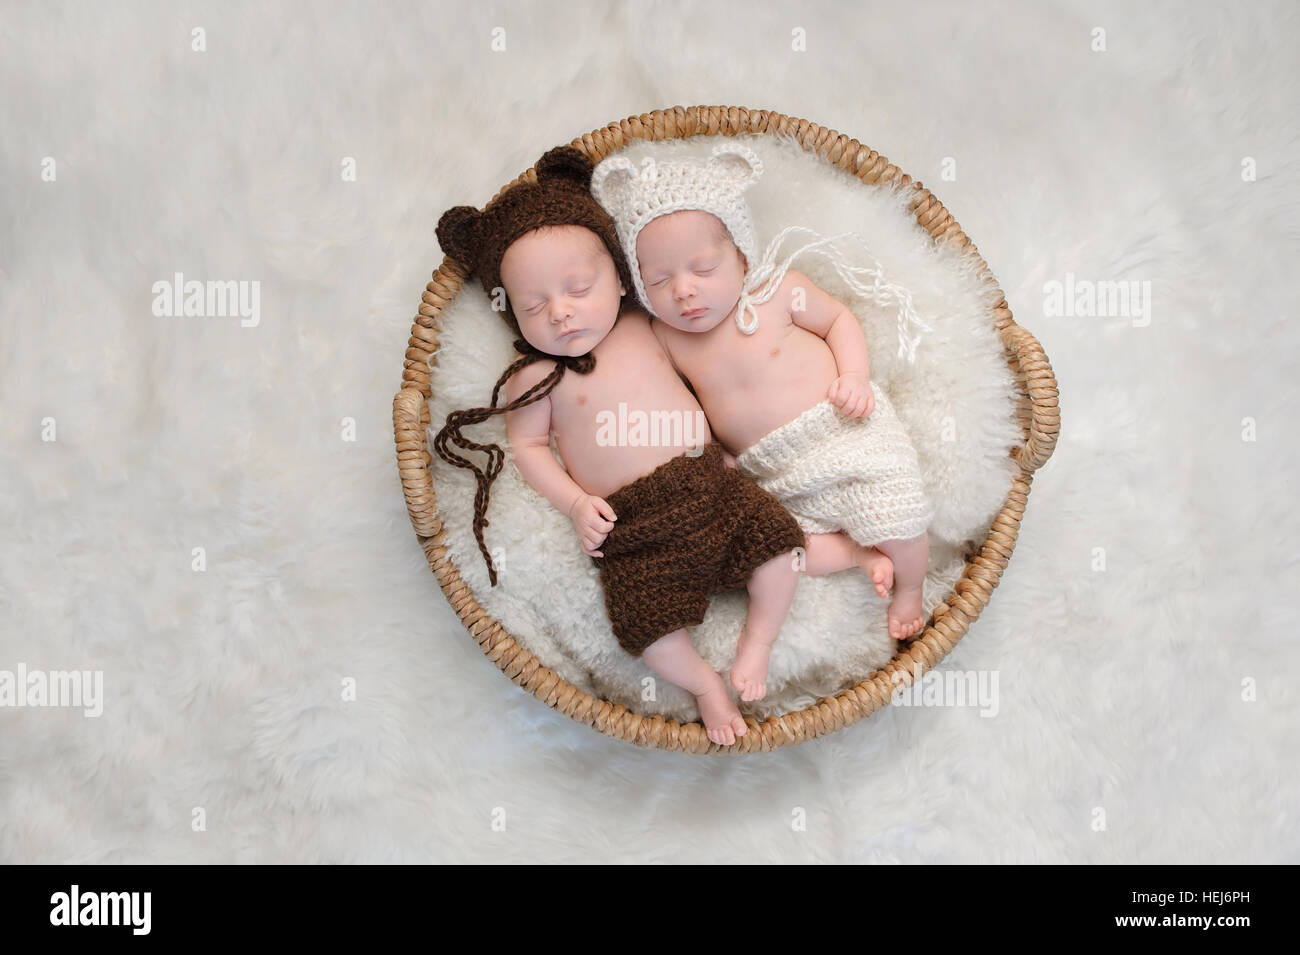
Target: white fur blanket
{"points": [[956, 401]]}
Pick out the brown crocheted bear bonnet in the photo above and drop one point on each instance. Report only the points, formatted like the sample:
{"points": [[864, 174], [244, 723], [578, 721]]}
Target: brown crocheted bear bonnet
{"points": [[560, 196], [478, 240]]}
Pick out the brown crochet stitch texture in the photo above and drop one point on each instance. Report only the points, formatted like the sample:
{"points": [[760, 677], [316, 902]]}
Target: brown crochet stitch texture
{"points": [[691, 528]]}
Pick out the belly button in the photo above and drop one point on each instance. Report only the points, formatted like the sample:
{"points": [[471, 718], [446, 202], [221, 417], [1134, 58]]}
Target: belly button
{"points": [[582, 399], [774, 352]]}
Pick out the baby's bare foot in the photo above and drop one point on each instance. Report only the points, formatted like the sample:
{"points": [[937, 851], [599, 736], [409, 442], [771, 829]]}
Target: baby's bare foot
{"points": [[749, 672], [722, 721], [905, 613], [878, 567]]}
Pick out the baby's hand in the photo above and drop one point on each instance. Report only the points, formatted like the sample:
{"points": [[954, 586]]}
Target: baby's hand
{"points": [[593, 519], [852, 394]]}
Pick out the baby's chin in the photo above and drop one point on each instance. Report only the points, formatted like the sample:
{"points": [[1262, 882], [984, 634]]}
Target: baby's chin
{"points": [[579, 344], [705, 323]]}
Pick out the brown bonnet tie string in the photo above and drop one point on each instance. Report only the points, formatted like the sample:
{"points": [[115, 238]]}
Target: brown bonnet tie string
{"points": [[452, 433]]}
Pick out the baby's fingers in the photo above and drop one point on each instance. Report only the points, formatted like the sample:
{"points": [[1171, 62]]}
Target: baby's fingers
{"points": [[603, 509]]}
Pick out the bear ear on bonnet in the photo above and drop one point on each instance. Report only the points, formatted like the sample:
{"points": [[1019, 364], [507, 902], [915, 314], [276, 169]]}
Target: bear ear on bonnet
{"points": [[565, 163], [458, 235], [738, 163], [612, 182]]}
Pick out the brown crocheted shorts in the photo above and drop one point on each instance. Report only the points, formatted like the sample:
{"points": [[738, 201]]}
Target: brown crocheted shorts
{"points": [[691, 528]]}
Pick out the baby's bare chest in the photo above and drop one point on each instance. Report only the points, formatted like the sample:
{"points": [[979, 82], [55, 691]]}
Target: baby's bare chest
{"points": [[638, 379], [774, 352]]}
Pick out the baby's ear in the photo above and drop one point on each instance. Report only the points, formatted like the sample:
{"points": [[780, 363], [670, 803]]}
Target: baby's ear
{"points": [[612, 182], [567, 163], [739, 164], [458, 234]]}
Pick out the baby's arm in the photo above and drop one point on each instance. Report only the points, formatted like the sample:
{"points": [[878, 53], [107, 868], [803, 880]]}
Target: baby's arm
{"points": [[829, 319], [529, 432]]}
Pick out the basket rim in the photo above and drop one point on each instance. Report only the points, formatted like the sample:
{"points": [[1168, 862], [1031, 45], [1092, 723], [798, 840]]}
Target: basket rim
{"points": [[1037, 411]]}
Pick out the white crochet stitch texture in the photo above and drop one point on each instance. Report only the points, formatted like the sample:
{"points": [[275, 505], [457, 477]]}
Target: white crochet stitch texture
{"points": [[714, 184], [832, 472]]}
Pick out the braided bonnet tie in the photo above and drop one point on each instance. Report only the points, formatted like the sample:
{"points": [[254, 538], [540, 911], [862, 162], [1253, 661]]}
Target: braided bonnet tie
{"points": [[451, 433], [763, 280]]}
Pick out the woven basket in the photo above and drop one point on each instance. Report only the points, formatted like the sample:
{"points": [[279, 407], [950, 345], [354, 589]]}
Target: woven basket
{"points": [[1037, 412]]}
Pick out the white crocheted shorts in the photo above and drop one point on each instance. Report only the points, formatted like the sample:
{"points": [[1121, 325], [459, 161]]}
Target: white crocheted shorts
{"points": [[833, 473]]}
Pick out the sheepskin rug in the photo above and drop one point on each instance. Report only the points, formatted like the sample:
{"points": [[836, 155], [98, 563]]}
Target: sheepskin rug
{"points": [[305, 694], [956, 400]]}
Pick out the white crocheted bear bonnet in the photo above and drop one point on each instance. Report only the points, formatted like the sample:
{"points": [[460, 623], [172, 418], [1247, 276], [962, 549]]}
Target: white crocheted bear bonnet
{"points": [[634, 198], [716, 184]]}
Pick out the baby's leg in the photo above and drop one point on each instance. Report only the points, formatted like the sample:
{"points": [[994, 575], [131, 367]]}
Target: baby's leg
{"points": [[675, 659], [911, 558], [771, 591], [830, 553]]}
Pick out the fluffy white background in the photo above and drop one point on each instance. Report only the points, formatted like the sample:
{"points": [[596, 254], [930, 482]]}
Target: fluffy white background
{"points": [[1120, 690]]}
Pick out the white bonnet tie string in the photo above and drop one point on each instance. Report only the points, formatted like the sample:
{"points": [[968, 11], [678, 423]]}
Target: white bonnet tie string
{"points": [[866, 281]]}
